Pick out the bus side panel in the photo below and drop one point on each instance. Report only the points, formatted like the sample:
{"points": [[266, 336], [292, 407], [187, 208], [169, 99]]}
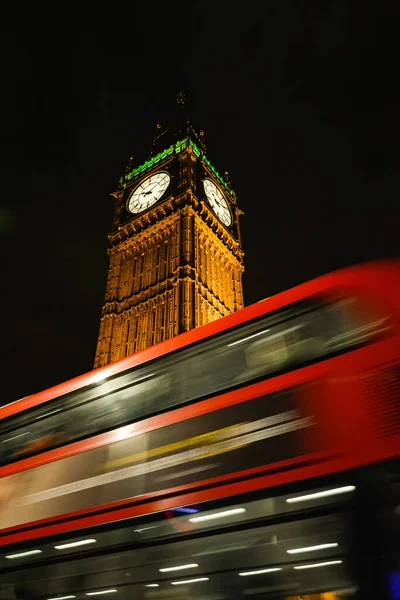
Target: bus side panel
{"points": [[268, 431], [364, 387]]}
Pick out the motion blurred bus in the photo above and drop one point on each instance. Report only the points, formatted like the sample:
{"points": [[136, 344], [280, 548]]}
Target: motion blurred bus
{"points": [[300, 385]]}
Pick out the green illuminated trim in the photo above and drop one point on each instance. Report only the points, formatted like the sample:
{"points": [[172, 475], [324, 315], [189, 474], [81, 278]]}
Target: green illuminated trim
{"points": [[176, 148]]}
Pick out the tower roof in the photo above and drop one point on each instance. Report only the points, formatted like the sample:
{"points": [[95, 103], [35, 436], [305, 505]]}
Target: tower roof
{"points": [[177, 129], [172, 139]]}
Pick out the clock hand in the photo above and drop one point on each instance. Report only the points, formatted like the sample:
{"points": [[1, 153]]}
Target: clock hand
{"points": [[150, 191]]}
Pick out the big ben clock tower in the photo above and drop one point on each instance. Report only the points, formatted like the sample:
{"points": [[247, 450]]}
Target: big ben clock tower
{"points": [[176, 260]]}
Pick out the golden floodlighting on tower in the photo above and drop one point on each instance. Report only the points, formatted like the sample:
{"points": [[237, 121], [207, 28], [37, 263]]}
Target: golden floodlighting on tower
{"points": [[175, 204]]}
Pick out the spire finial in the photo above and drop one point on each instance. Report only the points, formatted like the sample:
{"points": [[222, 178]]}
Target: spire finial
{"points": [[129, 165], [181, 99]]}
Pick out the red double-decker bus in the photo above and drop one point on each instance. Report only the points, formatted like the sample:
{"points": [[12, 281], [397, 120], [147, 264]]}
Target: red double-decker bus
{"points": [[299, 385]]}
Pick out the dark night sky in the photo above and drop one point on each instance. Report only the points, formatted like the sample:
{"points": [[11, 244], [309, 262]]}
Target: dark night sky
{"points": [[299, 102]]}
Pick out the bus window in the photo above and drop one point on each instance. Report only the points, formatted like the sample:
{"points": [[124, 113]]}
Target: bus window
{"points": [[357, 325], [327, 329], [284, 345], [281, 341]]}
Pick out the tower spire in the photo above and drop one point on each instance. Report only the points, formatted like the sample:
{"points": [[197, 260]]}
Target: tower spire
{"points": [[181, 99], [178, 128]]}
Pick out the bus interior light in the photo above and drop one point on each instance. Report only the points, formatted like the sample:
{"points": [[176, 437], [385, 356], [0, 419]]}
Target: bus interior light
{"points": [[190, 581], [22, 554], [52, 412], [321, 564], [16, 436], [178, 568], [101, 592], [144, 529], [249, 337], [260, 571], [218, 515], [62, 598], [75, 544], [312, 548], [152, 585], [323, 494]]}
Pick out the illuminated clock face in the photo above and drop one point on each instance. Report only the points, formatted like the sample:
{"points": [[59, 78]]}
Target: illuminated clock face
{"points": [[217, 202], [148, 192]]}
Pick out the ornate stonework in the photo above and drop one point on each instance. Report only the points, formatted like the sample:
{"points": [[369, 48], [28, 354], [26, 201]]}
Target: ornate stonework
{"points": [[173, 267]]}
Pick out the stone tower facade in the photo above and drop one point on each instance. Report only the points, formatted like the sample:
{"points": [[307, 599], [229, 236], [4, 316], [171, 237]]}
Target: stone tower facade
{"points": [[175, 255]]}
